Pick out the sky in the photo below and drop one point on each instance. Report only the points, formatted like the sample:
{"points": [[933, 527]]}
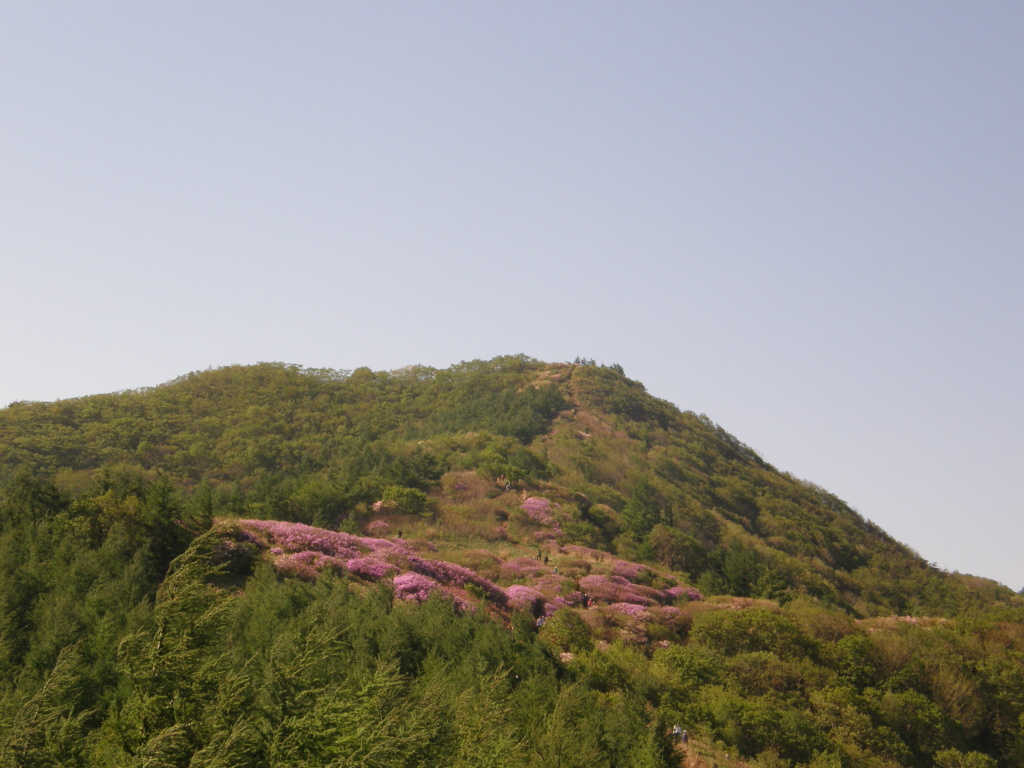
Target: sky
{"points": [[802, 219]]}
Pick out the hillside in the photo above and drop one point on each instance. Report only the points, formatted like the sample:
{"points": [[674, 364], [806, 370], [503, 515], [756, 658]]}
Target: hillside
{"points": [[505, 562], [633, 473]]}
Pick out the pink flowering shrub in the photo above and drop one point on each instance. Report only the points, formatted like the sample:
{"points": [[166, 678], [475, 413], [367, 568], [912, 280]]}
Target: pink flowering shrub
{"points": [[296, 537], [522, 597], [306, 564], [370, 568], [456, 575], [378, 528], [414, 587], [615, 589], [627, 570], [537, 510], [691, 594]]}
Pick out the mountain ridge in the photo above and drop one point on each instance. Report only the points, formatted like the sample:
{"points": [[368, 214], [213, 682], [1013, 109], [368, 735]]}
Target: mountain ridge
{"points": [[588, 427]]}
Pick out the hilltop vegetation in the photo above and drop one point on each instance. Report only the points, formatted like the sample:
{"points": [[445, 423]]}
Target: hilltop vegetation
{"points": [[271, 565]]}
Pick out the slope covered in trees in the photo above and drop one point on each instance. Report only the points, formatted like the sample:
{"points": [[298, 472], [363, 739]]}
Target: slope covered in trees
{"points": [[271, 565]]}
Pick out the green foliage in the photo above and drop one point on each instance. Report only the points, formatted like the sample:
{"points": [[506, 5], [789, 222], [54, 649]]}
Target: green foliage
{"points": [[406, 501], [566, 631], [754, 629], [953, 758]]}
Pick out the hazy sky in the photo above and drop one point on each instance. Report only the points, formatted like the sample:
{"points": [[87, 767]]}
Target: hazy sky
{"points": [[805, 220]]}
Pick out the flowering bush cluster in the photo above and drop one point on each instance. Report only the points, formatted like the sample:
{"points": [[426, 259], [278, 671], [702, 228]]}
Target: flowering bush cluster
{"points": [[627, 570], [296, 537], [370, 568], [414, 586], [456, 575], [689, 593], [537, 509], [378, 528], [616, 589], [522, 597], [307, 564], [304, 551]]}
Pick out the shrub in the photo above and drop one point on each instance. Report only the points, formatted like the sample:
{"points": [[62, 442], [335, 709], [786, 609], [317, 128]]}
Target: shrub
{"points": [[407, 501], [566, 631]]}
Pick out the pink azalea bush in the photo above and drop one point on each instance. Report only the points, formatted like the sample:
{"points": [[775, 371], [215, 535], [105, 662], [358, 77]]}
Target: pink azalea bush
{"points": [[456, 575], [537, 509], [522, 597], [627, 570], [307, 564], [296, 537], [370, 568], [616, 589], [414, 587], [691, 594], [378, 528]]}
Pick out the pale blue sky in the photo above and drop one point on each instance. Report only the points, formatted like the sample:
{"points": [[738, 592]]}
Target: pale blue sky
{"points": [[803, 219]]}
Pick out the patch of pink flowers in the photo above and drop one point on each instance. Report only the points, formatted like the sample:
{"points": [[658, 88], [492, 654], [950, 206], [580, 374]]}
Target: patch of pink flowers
{"points": [[414, 587], [296, 537], [307, 564], [370, 568], [378, 528], [689, 593], [627, 570], [616, 589], [456, 575], [522, 597], [537, 509]]}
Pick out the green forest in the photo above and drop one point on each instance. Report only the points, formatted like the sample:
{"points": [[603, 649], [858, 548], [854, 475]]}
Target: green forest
{"points": [[502, 563]]}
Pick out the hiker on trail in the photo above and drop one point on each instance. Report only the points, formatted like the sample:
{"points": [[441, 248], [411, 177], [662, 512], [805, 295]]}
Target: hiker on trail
{"points": [[684, 737], [677, 733], [545, 559]]}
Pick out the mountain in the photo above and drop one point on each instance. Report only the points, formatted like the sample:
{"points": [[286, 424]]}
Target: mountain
{"points": [[505, 562]]}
